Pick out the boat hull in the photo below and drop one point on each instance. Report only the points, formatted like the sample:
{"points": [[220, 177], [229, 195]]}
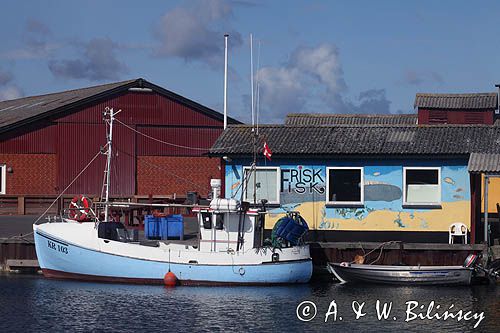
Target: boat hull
{"points": [[403, 275], [63, 260]]}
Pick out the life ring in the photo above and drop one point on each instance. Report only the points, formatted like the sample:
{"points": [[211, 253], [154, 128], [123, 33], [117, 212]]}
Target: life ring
{"points": [[79, 208]]}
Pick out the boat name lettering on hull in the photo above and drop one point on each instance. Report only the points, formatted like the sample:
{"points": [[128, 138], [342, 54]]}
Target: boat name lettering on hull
{"points": [[57, 247]]}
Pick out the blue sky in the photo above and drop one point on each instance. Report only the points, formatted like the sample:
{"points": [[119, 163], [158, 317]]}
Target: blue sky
{"points": [[315, 56]]}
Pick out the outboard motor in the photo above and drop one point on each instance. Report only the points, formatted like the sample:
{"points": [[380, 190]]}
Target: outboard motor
{"points": [[471, 260]]}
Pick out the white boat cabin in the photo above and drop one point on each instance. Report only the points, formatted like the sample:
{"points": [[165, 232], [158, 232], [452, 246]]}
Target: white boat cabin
{"points": [[221, 224]]}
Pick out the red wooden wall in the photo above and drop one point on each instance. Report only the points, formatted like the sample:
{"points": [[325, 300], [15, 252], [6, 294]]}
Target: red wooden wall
{"points": [[64, 145], [435, 116]]}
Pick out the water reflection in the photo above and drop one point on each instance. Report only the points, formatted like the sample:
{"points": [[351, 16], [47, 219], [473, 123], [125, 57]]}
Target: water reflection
{"points": [[31, 303]]}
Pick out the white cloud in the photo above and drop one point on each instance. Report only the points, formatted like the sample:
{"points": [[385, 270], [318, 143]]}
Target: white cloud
{"points": [[196, 32], [322, 63], [281, 90], [35, 43], [309, 73], [10, 92], [98, 62], [5, 77], [312, 80], [7, 89]]}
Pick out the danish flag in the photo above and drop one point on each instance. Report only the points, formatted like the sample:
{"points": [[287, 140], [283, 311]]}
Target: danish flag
{"points": [[267, 152]]}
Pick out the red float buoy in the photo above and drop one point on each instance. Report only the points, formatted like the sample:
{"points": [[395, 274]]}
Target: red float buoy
{"points": [[170, 279]]}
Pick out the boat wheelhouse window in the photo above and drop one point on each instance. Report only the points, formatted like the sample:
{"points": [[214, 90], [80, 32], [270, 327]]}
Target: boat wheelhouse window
{"points": [[3, 176], [113, 231], [422, 186], [266, 182], [207, 220], [219, 221], [345, 185]]}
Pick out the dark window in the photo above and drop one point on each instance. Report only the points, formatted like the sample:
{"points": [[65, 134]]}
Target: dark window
{"points": [[113, 231], [344, 185], [422, 177]]}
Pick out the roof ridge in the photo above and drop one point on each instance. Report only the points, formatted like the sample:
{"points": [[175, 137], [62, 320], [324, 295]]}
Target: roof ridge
{"points": [[456, 140], [76, 89], [366, 125], [350, 115], [471, 94]]}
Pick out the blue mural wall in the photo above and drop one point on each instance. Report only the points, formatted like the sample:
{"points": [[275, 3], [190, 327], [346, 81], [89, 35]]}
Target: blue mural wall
{"points": [[303, 187]]}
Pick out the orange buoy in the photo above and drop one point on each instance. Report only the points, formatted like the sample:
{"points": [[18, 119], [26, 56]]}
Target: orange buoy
{"points": [[170, 279]]}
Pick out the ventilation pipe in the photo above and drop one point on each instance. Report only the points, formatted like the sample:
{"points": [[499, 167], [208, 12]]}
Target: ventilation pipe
{"points": [[497, 111]]}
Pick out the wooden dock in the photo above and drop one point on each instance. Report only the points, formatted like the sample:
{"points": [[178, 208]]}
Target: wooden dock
{"points": [[18, 254], [395, 252], [23, 265]]}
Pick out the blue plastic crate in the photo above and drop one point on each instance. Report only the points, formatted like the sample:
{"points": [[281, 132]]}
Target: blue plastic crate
{"points": [[152, 227], [172, 226]]}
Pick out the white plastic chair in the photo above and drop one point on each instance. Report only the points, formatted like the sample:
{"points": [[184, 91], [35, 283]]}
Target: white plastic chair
{"points": [[458, 230]]}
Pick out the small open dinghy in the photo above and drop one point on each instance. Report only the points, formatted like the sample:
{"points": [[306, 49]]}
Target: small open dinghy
{"points": [[405, 275]]}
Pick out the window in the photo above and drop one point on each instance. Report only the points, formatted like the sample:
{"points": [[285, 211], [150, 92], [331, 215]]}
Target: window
{"points": [[345, 186], [266, 182], [3, 176], [422, 186]]}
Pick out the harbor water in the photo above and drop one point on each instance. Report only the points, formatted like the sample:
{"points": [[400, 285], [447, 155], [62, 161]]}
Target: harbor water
{"points": [[32, 303]]}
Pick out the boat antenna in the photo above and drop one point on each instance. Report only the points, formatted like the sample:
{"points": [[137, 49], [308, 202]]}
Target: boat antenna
{"points": [[257, 98], [251, 80], [225, 80], [109, 117]]}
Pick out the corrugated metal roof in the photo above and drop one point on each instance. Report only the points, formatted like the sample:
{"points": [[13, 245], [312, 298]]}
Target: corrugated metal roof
{"points": [[456, 101], [15, 110], [18, 112], [367, 140], [350, 119], [487, 163]]}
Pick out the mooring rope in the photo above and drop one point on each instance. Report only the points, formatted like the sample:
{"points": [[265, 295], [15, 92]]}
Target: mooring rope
{"points": [[381, 247]]}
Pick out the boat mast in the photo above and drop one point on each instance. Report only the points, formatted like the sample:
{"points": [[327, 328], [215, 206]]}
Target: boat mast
{"points": [[107, 171], [254, 133]]}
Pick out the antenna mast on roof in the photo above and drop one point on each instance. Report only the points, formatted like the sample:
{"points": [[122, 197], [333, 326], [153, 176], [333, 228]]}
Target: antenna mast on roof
{"points": [[225, 80], [251, 80], [257, 98]]}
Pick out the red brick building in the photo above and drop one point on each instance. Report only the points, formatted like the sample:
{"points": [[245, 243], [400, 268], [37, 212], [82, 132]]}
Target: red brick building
{"points": [[160, 145]]}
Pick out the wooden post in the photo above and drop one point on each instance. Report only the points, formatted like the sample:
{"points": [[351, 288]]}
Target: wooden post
{"points": [[21, 210], [475, 205], [401, 249], [486, 181]]}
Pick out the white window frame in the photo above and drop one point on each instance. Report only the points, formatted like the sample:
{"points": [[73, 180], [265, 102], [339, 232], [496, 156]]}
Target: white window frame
{"points": [[3, 183], [278, 182], [422, 203], [346, 203]]}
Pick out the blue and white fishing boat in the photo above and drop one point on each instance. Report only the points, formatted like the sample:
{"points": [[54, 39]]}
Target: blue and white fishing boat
{"points": [[229, 248]]}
